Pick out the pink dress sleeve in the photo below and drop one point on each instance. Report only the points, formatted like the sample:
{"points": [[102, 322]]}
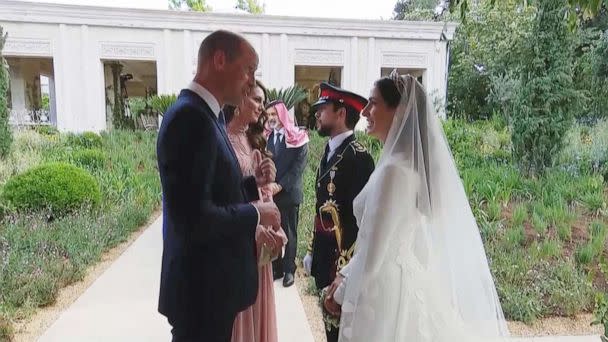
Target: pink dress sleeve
{"points": [[246, 162]]}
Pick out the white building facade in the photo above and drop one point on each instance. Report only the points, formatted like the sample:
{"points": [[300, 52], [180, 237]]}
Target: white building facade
{"points": [[71, 47]]}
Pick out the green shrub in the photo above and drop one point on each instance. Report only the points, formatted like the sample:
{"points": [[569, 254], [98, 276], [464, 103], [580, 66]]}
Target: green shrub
{"points": [[538, 218], [568, 291], [584, 254], [550, 249], [597, 233], [587, 149], [600, 312], [57, 187], [85, 140], [520, 214], [515, 237], [6, 136], [92, 159], [46, 130], [494, 211], [564, 231], [137, 105]]}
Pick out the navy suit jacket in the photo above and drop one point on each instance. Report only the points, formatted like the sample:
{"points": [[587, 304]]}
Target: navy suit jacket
{"points": [[290, 164], [209, 262]]}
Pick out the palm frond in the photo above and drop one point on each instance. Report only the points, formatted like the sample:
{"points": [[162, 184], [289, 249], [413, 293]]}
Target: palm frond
{"points": [[161, 103], [290, 96]]}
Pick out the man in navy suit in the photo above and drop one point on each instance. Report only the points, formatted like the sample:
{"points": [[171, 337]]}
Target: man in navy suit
{"points": [[209, 268], [289, 147]]}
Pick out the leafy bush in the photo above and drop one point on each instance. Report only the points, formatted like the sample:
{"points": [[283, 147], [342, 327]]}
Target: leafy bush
{"points": [[137, 105], [46, 130], [485, 57], [587, 149], [599, 80], [57, 187], [92, 159], [6, 137], [600, 312], [85, 140]]}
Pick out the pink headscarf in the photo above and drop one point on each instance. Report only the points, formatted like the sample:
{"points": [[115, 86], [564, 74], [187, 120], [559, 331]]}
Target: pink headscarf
{"points": [[294, 136]]}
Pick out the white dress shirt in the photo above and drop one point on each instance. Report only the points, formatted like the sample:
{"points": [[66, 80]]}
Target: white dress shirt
{"points": [[336, 141], [206, 96], [276, 135]]}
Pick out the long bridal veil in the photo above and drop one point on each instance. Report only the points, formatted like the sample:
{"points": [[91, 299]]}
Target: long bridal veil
{"points": [[420, 272]]}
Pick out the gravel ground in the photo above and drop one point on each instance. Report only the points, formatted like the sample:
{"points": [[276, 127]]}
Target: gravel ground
{"points": [[557, 326], [311, 306], [29, 331]]}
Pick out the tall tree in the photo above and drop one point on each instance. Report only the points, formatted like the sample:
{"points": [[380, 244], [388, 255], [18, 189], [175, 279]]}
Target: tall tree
{"points": [[578, 9], [251, 6], [191, 5], [6, 137], [414, 9], [403, 7], [546, 99], [485, 59]]}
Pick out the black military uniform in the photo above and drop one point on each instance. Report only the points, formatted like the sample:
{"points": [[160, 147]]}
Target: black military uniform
{"points": [[338, 182]]}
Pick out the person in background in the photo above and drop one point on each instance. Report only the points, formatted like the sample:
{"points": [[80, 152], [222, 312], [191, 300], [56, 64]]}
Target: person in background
{"points": [[289, 147]]}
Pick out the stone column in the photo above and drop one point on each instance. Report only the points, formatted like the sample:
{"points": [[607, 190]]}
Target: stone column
{"points": [[17, 86]]}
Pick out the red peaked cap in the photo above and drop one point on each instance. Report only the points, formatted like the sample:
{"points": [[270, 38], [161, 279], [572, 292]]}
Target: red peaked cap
{"points": [[328, 93]]}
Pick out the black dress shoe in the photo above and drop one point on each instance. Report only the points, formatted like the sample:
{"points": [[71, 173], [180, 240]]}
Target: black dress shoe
{"points": [[288, 280], [277, 275]]}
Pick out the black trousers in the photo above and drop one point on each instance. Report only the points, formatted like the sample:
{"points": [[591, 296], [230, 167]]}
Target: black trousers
{"points": [[332, 335], [216, 327], [289, 221]]}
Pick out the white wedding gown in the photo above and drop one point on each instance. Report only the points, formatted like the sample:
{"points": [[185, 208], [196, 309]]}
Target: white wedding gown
{"points": [[419, 272]]}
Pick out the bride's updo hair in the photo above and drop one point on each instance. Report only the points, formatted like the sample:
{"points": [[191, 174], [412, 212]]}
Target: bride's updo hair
{"points": [[389, 91]]}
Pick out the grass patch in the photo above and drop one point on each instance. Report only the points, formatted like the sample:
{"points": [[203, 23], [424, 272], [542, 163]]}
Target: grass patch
{"points": [[550, 249], [520, 214], [41, 256], [543, 236]]}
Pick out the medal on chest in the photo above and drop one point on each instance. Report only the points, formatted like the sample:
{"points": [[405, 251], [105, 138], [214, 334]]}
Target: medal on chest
{"points": [[331, 187]]}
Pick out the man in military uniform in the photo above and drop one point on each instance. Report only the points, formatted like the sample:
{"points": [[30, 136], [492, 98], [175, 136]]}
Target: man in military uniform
{"points": [[343, 171]]}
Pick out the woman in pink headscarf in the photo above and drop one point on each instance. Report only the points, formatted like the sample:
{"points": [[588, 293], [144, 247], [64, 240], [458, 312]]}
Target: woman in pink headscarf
{"points": [[289, 147]]}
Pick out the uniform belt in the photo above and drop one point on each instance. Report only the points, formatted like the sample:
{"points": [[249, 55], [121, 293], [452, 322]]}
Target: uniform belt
{"points": [[324, 226]]}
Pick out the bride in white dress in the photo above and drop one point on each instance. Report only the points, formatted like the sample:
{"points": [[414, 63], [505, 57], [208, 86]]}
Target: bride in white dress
{"points": [[419, 272]]}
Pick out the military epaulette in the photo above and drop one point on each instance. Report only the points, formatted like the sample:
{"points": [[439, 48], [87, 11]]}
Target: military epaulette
{"points": [[357, 146]]}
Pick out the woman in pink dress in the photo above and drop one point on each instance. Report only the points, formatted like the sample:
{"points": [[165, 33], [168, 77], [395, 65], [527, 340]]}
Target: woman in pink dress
{"points": [[246, 123]]}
